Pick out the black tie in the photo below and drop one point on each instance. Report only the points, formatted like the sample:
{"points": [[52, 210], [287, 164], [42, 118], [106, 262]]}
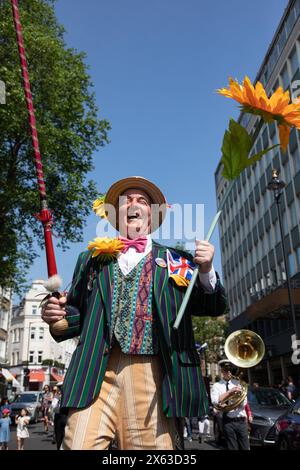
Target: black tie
{"points": [[227, 385]]}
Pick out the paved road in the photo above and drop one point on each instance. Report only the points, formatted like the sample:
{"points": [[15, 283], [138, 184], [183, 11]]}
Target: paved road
{"points": [[39, 440]]}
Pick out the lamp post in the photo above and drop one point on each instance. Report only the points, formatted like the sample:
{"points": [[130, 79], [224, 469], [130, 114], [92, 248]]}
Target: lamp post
{"points": [[276, 185]]}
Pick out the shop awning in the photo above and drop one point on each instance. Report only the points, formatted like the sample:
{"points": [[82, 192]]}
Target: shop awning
{"points": [[37, 375], [9, 377], [57, 377]]}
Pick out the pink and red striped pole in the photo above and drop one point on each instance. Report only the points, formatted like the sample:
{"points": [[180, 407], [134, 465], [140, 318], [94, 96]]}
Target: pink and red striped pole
{"points": [[45, 215]]}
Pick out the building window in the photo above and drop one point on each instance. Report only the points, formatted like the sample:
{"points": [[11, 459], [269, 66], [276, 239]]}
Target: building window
{"points": [[41, 333], [277, 233], [2, 349], [13, 359], [298, 257], [32, 333], [285, 78], [287, 172], [290, 21], [17, 358], [293, 213], [281, 40], [285, 223], [17, 335], [292, 264], [294, 61], [296, 160], [274, 278], [34, 309], [282, 271], [40, 356], [31, 356]]}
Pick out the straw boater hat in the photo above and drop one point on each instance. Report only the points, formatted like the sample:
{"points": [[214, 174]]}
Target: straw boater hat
{"points": [[137, 182]]}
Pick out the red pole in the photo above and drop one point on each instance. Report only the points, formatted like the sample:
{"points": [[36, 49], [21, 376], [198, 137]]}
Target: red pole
{"points": [[45, 215]]}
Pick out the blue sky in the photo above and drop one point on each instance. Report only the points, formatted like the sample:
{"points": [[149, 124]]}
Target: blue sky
{"points": [[155, 66]]}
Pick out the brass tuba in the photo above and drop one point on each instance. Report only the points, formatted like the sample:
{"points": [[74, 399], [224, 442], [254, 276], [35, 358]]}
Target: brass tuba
{"points": [[244, 349]]}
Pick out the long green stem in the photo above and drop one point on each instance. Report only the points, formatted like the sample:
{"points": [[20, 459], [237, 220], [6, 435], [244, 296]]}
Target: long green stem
{"points": [[196, 270]]}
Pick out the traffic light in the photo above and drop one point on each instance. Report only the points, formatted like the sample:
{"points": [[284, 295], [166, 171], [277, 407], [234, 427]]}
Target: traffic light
{"points": [[26, 377]]}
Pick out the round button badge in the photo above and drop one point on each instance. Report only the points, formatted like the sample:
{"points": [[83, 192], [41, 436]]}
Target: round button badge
{"points": [[161, 262]]}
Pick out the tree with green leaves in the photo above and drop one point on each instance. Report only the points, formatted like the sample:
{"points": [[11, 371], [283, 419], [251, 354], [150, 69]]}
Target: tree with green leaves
{"points": [[69, 129], [212, 331]]}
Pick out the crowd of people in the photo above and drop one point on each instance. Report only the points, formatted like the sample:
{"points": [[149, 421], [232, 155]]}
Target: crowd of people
{"points": [[289, 388], [51, 416]]}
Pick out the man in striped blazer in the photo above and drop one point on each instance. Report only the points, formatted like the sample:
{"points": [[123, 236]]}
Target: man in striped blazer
{"points": [[132, 374]]}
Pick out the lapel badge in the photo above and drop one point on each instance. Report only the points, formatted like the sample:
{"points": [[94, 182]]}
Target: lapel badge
{"points": [[91, 278], [161, 262]]}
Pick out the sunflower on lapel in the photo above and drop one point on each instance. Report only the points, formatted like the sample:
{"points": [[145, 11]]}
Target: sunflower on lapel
{"points": [[180, 269], [99, 207], [106, 249]]}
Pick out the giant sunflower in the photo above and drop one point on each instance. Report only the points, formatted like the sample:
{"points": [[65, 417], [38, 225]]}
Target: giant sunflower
{"points": [[277, 108], [106, 248]]}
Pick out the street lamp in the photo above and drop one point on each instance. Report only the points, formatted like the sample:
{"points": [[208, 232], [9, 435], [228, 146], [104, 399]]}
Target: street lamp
{"points": [[277, 185]]}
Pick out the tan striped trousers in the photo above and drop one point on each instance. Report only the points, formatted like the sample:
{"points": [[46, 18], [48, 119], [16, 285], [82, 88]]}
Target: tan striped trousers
{"points": [[128, 409]]}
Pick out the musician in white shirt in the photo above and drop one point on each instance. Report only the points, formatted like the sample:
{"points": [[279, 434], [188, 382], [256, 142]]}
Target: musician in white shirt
{"points": [[234, 422]]}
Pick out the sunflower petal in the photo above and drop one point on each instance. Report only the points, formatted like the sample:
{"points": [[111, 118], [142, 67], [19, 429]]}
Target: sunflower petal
{"points": [[284, 136]]}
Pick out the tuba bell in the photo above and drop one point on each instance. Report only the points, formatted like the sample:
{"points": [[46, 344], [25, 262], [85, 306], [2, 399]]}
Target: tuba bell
{"points": [[244, 349]]}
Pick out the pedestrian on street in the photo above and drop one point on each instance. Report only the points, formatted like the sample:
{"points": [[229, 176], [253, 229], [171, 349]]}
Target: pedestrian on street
{"points": [[60, 417], [5, 422], [291, 390], [188, 431], [46, 405], [22, 422], [234, 422], [204, 428], [4, 405]]}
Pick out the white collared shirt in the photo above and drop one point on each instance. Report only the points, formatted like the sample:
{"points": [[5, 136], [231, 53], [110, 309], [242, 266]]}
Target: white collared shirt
{"points": [[127, 261], [219, 388]]}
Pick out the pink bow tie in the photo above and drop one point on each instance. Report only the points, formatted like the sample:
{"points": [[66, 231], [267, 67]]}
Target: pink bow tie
{"points": [[138, 243]]}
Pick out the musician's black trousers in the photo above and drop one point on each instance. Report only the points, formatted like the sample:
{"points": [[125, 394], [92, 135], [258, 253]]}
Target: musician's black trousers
{"points": [[236, 434]]}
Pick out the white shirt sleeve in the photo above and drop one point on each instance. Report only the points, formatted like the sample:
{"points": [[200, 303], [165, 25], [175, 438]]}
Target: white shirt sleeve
{"points": [[215, 393], [208, 280]]}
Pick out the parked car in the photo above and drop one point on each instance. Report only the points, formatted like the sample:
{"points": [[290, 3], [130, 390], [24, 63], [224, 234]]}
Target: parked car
{"points": [[30, 400], [266, 404], [288, 428]]}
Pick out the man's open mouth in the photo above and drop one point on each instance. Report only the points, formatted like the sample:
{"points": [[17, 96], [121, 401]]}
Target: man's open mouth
{"points": [[133, 217]]}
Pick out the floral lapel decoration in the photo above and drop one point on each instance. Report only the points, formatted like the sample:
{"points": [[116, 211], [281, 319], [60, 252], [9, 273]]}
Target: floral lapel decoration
{"points": [[99, 207], [105, 249]]}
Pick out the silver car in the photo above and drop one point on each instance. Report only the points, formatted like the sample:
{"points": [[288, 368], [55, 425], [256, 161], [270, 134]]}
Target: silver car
{"points": [[32, 401]]}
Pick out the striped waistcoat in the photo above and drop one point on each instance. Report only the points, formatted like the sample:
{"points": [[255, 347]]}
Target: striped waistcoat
{"points": [[88, 315]]}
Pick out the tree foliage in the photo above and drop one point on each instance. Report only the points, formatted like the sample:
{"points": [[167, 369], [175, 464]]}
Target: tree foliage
{"points": [[69, 129], [212, 331]]}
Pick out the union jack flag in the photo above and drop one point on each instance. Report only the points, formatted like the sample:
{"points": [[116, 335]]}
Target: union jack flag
{"points": [[179, 266]]}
